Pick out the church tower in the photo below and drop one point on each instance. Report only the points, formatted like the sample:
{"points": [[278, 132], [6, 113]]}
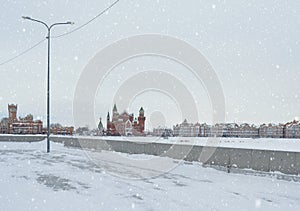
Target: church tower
{"points": [[141, 119], [100, 125], [115, 114], [12, 112], [108, 121]]}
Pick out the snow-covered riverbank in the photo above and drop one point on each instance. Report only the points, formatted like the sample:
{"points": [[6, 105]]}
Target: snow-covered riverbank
{"points": [[69, 179]]}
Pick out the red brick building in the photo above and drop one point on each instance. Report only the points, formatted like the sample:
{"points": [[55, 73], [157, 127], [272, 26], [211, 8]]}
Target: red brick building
{"points": [[125, 124], [26, 125], [59, 130]]}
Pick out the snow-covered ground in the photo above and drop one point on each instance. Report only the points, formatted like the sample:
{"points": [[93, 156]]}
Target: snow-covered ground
{"points": [[72, 179]]}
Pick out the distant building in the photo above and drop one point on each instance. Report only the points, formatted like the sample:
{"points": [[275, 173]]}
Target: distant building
{"points": [[26, 125], [245, 130], [58, 129], [222, 130], [248, 131], [271, 131], [100, 131], [292, 129], [162, 131], [125, 124], [233, 130], [4, 126], [83, 131], [186, 129], [205, 130]]}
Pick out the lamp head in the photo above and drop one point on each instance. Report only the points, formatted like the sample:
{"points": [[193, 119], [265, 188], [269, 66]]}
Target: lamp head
{"points": [[71, 23], [26, 17]]}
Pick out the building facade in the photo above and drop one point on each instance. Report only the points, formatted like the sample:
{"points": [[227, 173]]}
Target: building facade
{"points": [[125, 124], [271, 131], [26, 125], [162, 131], [187, 129], [245, 130], [292, 129], [59, 130]]}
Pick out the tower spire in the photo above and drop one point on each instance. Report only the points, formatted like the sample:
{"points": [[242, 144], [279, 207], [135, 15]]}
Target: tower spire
{"points": [[115, 107], [100, 125]]}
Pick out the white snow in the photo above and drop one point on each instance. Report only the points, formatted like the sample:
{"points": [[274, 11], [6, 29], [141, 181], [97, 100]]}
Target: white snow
{"points": [[72, 179]]}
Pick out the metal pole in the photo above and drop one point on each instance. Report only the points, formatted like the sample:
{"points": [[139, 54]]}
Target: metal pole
{"points": [[48, 72], [48, 95]]}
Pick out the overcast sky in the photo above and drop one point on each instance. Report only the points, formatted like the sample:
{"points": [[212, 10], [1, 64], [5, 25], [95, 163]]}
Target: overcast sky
{"points": [[253, 47]]}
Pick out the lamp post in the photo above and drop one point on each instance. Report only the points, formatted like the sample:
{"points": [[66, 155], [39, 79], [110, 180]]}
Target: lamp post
{"points": [[48, 71]]}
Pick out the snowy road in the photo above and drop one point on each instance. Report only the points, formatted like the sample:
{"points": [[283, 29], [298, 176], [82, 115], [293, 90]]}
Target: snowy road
{"points": [[71, 179]]}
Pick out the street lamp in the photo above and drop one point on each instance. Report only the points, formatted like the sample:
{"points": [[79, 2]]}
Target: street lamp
{"points": [[48, 72]]}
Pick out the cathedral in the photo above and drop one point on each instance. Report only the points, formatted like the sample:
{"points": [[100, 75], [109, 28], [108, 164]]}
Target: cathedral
{"points": [[125, 124]]}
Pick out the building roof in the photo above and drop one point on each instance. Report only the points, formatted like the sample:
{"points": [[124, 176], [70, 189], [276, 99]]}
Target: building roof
{"points": [[125, 113]]}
